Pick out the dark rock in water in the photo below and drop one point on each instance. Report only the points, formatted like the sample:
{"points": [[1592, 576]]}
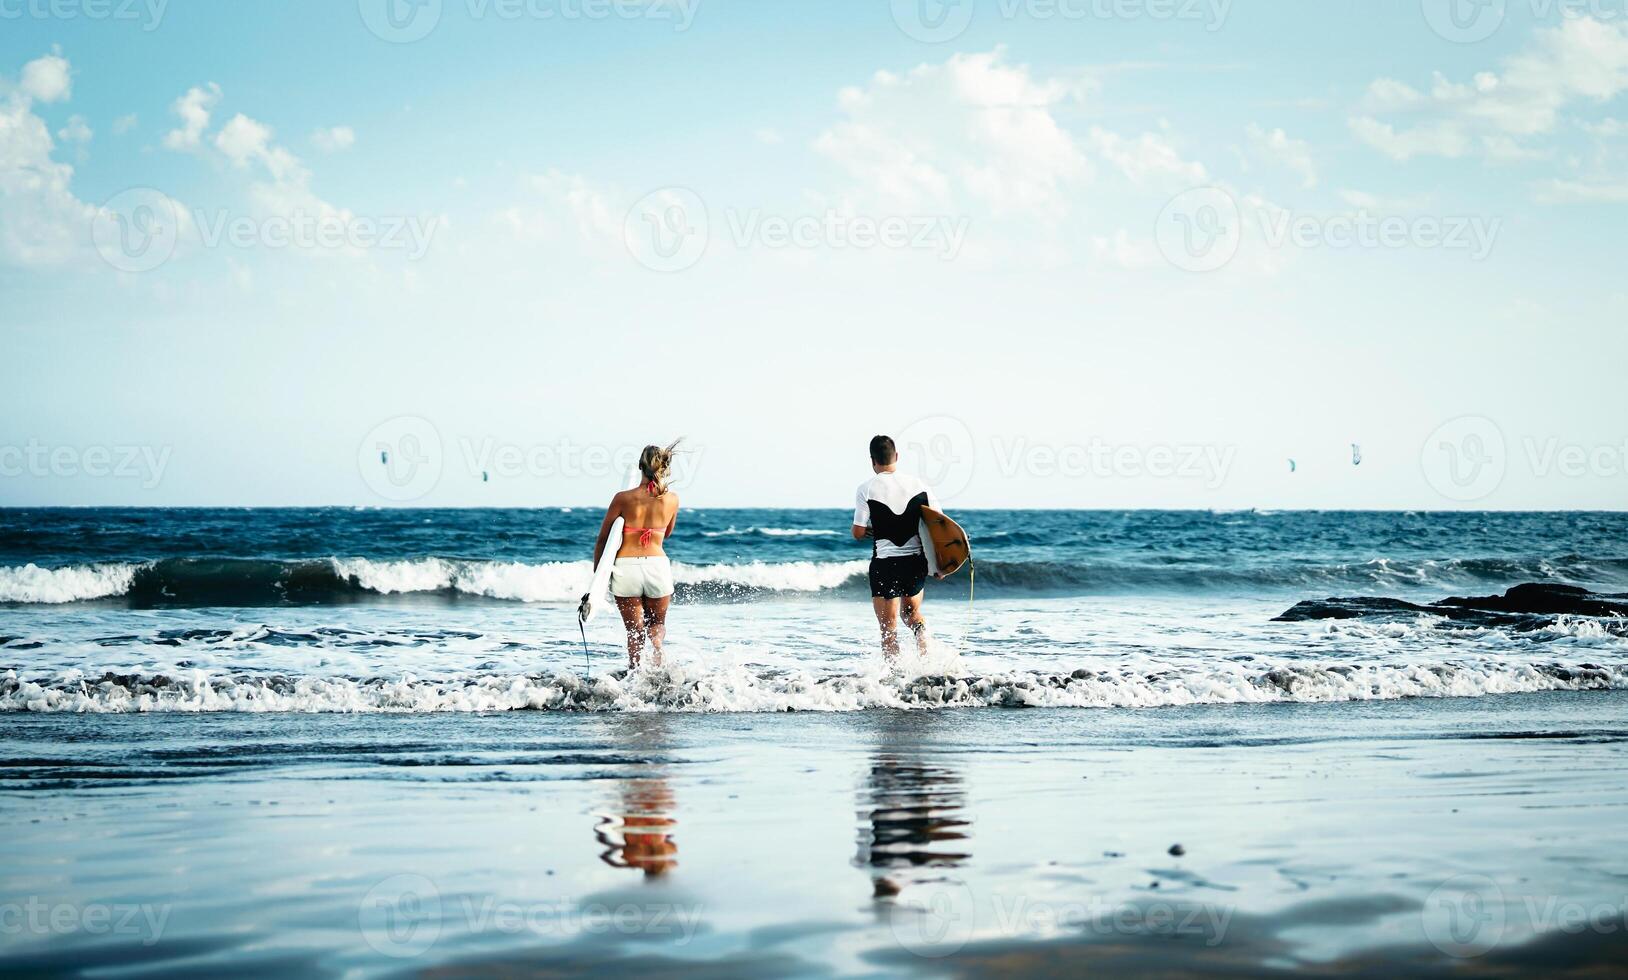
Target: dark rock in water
{"points": [[1567, 600], [1524, 607], [1176, 850], [1353, 608]]}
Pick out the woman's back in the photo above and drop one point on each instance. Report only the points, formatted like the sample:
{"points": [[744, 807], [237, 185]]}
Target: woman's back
{"points": [[641, 512]]}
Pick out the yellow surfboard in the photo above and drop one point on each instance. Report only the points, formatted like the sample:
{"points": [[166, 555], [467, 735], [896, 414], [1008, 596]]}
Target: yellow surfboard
{"points": [[944, 542]]}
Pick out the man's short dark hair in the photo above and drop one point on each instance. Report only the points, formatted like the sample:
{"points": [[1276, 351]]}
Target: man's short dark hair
{"points": [[883, 451]]}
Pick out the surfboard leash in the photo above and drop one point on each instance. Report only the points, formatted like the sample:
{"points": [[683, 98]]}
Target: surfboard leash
{"points": [[972, 583], [587, 664]]}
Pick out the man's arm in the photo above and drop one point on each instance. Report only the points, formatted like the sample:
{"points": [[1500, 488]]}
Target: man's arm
{"points": [[861, 533], [862, 516]]}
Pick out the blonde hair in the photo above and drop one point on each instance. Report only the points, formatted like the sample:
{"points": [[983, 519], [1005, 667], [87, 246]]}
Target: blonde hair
{"points": [[656, 465]]}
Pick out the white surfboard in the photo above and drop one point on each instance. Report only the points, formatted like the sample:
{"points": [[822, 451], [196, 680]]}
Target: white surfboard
{"points": [[944, 542], [594, 599], [928, 549]]}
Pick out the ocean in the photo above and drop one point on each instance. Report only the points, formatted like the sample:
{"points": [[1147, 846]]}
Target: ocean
{"points": [[471, 610], [371, 743]]}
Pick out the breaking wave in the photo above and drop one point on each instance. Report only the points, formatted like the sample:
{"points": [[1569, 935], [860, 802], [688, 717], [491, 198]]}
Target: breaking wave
{"points": [[72, 583], [256, 582], [743, 689], [252, 582]]}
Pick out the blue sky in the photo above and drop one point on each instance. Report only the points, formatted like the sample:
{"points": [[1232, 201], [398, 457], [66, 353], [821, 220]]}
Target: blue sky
{"points": [[1087, 253]]}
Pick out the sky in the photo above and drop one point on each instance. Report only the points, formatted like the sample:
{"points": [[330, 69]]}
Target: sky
{"points": [[1069, 253]]}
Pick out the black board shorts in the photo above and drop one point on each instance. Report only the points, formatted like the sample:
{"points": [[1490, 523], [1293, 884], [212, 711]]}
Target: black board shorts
{"points": [[898, 578]]}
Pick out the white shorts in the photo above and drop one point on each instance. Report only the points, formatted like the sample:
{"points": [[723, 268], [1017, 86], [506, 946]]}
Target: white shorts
{"points": [[642, 578]]}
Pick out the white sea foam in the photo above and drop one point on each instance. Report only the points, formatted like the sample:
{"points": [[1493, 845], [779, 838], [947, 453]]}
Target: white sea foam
{"points": [[548, 582], [72, 583], [564, 581], [743, 689], [795, 576]]}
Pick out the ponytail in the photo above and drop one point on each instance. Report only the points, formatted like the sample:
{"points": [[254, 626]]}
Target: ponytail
{"points": [[656, 466]]}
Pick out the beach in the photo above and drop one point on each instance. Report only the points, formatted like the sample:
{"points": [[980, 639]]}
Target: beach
{"points": [[1451, 836], [370, 743]]}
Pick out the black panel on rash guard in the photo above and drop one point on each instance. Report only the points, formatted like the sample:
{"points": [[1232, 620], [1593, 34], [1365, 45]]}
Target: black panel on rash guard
{"points": [[897, 528]]}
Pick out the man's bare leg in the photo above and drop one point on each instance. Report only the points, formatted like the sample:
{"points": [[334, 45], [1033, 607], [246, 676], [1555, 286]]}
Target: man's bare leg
{"points": [[632, 611], [887, 616], [916, 620]]}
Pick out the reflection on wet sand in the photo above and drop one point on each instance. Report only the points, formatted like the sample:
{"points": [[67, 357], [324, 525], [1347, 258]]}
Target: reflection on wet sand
{"points": [[638, 834], [911, 818]]}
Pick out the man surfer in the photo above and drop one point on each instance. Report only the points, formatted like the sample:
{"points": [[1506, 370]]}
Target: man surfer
{"points": [[887, 510]]}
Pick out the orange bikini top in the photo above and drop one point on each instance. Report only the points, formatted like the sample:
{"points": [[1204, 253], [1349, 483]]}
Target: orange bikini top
{"points": [[647, 534]]}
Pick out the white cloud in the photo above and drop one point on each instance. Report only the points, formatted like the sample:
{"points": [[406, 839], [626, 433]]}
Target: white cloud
{"points": [[1443, 139], [281, 184], [243, 140], [194, 108], [1290, 153], [334, 139], [991, 142], [1582, 59], [47, 79], [41, 221], [1148, 157], [124, 124], [284, 187], [971, 129], [76, 130], [559, 202]]}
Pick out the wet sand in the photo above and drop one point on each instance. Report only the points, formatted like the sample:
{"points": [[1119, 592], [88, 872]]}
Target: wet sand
{"points": [[1462, 837]]}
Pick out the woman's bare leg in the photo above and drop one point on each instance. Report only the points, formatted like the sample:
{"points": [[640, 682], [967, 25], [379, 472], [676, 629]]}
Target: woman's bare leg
{"points": [[655, 625], [633, 618]]}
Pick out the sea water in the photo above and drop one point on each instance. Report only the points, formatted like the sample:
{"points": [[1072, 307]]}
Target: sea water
{"points": [[370, 743], [473, 610]]}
